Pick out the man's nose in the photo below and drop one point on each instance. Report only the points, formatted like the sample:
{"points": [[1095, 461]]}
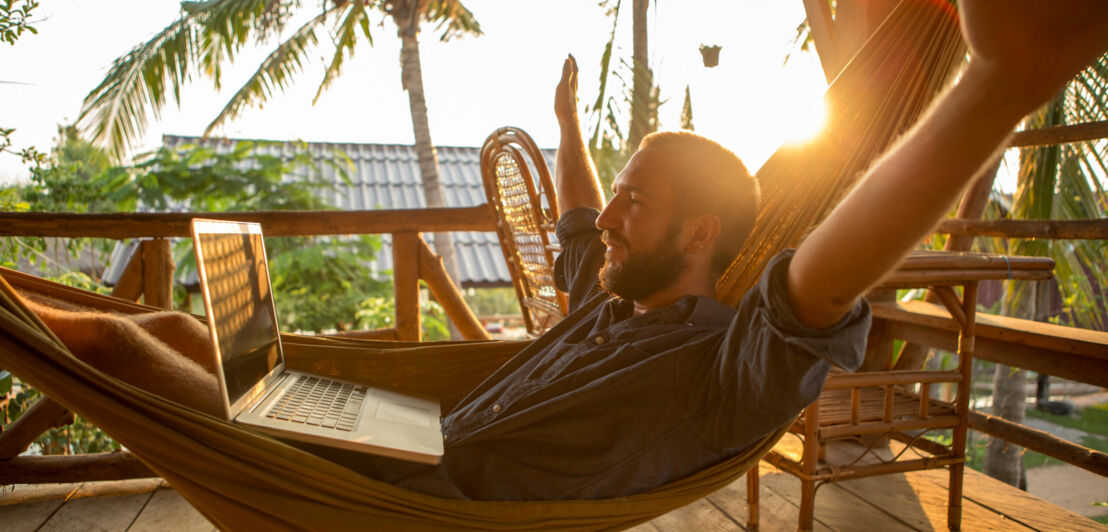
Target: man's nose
{"points": [[607, 218]]}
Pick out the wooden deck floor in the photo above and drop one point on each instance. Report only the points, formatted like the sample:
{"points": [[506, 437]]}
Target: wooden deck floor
{"points": [[905, 502]]}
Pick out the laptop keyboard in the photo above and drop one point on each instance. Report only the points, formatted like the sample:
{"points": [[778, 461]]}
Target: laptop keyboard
{"points": [[320, 402]]}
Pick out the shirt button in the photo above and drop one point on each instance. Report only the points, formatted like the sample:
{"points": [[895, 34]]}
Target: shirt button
{"points": [[496, 409], [599, 340]]}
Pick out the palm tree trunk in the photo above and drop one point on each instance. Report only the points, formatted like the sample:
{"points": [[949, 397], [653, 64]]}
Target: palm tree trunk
{"points": [[642, 78], [412, 78]]}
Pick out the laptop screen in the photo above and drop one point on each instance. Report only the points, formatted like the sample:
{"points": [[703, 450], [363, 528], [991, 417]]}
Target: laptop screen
{"points": [[241, 303]]}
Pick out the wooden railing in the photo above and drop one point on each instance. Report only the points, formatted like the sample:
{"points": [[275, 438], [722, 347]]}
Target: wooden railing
{"points": [[150, 271], [148, 275]]}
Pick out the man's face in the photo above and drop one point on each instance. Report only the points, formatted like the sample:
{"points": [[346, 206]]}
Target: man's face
{"points": [[642, 231]]}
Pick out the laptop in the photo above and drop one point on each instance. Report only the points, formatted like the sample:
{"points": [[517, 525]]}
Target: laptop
{"points": [[260, 392]]}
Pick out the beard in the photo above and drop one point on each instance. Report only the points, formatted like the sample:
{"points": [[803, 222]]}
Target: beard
{"points": [[646, 272]]}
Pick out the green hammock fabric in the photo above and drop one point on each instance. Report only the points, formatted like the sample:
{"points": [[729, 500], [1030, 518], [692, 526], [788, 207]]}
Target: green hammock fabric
{"points": [[242, 480]]}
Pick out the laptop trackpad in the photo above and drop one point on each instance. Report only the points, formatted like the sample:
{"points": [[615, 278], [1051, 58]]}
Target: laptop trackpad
{"points": [[400, 413]]}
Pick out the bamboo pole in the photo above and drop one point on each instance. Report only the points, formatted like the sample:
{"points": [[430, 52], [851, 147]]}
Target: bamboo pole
{"points": [[274, 223], [405, 275], [44, 415], [157, 273], [117, 465], [1060, 134], [1041, 442], [130, 283], [446, 293], [1048, 229]]}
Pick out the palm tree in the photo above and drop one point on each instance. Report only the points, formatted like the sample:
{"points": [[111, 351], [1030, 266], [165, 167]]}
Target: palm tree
{"points": [[209, 34], [1056, 182]]}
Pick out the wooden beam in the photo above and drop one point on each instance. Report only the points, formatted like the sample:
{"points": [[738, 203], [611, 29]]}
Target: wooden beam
{"points": [[1044, 229], [1060, 134], [157, 273], [274, 223], [376, 334], [1040, 442], [129, 285], [117, 465], [405, 278], [44, 415], [446, 293]]}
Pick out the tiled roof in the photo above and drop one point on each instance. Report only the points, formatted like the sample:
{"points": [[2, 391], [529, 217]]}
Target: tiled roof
{"points": [[386, 176]]}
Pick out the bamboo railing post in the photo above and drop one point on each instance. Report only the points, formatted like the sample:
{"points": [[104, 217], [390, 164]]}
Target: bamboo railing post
{"points": [[405, 278], [44, 415], [130, 283], [447, 294], [157, 273]]}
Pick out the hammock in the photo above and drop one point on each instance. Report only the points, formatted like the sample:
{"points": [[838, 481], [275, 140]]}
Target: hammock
{"points": [[239, 479]]}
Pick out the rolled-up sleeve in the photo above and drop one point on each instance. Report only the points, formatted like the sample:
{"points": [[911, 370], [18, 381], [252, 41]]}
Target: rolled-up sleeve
{"points": [[576, 268], [770, 366]]}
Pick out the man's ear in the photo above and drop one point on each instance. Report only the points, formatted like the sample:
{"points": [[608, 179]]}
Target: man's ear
{"points": [[705, 231]]}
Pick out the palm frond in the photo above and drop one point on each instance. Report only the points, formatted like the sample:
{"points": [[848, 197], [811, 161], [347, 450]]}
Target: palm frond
{"points": [[605, 68], [454, 19], [114, 113], [275, 73], [356, 18]]}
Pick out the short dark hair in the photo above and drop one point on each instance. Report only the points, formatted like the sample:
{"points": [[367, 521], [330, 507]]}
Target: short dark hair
{"points": [[712, 180]]}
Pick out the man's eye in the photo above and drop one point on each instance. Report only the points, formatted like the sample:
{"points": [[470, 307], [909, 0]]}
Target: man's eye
{"points": [[634, 200]]}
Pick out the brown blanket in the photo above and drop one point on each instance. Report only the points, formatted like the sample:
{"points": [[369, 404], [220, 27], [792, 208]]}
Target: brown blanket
{"points": [[165, 353]]}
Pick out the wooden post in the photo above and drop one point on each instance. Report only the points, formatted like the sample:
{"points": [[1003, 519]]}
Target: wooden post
{"points": [[446, 292], [157, 270], [405, 278], [129, 285], [44, 415]]}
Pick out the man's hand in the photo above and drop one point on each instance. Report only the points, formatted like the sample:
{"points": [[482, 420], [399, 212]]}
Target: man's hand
{"points": [[574, 172], [1034, 47], [565, 96]]}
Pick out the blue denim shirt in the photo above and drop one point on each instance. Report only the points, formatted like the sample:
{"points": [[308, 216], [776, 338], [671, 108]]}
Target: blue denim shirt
{"points": [[608, 404]]}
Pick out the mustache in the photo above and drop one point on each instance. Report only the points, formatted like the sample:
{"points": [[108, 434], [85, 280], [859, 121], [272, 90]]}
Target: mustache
{"points": [[608, 237]]}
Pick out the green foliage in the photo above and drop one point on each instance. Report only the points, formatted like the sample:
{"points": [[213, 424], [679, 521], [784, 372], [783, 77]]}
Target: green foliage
{"points": [[1092, 419], [15, 16], [609, 143], [378, 312], [78, 437], [323, 286], [686, 111], [320, 283], [492, 301]]}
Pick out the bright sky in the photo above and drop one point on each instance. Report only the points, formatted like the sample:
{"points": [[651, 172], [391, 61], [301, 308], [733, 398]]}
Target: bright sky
{"points": [[750, 103]]}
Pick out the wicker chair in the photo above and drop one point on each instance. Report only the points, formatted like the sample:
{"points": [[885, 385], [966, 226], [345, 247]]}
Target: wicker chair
{"points": [[878, 404], [519, 189]]}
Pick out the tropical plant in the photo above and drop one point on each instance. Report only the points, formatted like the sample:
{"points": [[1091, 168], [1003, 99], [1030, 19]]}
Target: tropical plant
{"points": [[635, 103], [321, 283], [209, 34], [15, 18], [1061, 182]]}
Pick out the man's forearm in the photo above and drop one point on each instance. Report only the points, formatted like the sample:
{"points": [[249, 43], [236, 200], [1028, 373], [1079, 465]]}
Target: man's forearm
{"points": [[574, 171], [1021, 53], [901, 199]]}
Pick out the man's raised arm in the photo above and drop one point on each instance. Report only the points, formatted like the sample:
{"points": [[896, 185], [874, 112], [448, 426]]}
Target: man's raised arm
{"points": [[1021, 53], [574, 173]]}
